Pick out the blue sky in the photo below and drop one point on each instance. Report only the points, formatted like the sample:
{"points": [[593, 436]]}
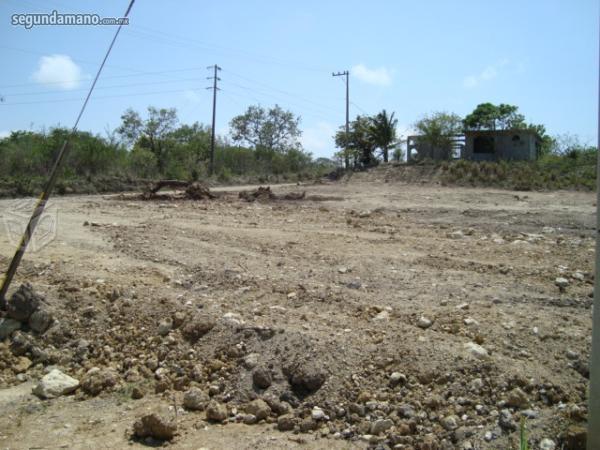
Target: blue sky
{"points": [[410, 57]]}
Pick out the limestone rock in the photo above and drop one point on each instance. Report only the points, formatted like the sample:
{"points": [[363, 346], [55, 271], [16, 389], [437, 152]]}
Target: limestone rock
{"points": [[216, 411], [55, 384], [154, 426], [97, 380], [195, 399]]}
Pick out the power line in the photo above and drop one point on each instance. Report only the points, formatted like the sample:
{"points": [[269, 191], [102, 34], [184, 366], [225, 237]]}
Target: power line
{"points": [[81, 61], [160, 72], [359, 108], [291, 94], [148, 83], [320, 109], [303, 108], [178, 41], [66, 100]]}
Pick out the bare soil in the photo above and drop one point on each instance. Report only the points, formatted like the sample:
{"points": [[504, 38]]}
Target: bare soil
{"points": [[327, 294]]}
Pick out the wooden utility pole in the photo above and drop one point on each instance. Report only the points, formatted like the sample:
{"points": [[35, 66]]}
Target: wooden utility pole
{"points": [[347, 75], [593, 435], [215, 78]]}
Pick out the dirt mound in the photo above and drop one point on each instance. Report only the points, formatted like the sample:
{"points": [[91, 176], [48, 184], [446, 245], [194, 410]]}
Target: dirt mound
{"points": [[265, 194], [191, 190]]}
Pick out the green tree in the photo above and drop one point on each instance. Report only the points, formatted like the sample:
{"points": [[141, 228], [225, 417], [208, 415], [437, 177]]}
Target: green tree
{"points": [[272, 129], [437, 130], [383, 132], [488, 116], [358, 142], [152, 133], [190, 147]]}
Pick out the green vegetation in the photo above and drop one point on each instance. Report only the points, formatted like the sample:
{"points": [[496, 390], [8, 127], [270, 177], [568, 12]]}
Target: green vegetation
{"points": [[577, 170], [265, 148], [488, 116], [158, 146], [367, 134], [437, 130], [523, 442]]}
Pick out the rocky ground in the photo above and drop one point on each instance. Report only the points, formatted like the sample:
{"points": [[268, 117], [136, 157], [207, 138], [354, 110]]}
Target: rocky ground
{"points": [[363, 313]]}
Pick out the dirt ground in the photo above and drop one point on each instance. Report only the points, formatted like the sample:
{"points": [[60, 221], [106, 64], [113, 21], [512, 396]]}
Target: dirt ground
{"points": [[365, 300]]}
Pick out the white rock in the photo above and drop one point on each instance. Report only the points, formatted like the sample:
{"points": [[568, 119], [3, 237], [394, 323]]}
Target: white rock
{"points": [[251, 360], [519, 242], [579, 276], [469, 321], [397, 378], [232, 318], [547, 444], [55, 384], [456, 234], [450, 422], [318, 414], [383, 315], [561, 282], [476, 350], [424, 322]]}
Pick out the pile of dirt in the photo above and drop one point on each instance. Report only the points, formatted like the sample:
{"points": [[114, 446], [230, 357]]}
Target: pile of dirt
{"points": [[261, 194], [191, 191], [265, 194]]}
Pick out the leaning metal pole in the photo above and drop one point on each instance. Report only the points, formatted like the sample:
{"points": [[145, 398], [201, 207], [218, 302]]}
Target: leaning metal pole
{"points": [[593, 435], [41, 204]]}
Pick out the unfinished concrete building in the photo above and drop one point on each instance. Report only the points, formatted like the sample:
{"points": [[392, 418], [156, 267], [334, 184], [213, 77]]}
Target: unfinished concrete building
{"points": [[419, 149], [480, 145], [488, 145]]}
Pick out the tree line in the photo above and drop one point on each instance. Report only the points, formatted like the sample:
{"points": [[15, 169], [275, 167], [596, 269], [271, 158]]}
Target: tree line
{"points": [[263, 142]]}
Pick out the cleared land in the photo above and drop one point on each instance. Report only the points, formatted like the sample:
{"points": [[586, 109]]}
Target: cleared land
{"points": [[363, 299]]}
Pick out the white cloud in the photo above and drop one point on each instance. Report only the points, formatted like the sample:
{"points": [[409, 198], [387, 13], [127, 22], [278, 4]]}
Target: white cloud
{"points": [[319, 139], [4, 133], [487, 74], [380, 76], [58, 70]]}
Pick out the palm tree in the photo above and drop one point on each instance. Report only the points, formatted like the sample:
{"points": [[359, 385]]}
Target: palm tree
{"points": [[383, 132]]}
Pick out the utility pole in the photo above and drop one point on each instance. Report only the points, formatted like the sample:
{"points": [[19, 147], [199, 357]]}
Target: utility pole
{"points": [[215, 78], [347, 75], [593, 435]]}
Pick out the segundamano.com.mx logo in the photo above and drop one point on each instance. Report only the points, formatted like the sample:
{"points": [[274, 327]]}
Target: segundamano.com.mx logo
{"points": [[16, 217]]}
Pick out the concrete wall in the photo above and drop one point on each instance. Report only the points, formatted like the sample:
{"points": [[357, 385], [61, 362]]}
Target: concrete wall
{"points": [[506, 145]]}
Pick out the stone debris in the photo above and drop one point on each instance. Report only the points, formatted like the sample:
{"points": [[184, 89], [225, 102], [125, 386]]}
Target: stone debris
{"points": [[259, 409], [424, 323], [155, 427], [476, 350], [97, 380], [55, 384], [23, 303], [195, 399], [216, 412]]}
